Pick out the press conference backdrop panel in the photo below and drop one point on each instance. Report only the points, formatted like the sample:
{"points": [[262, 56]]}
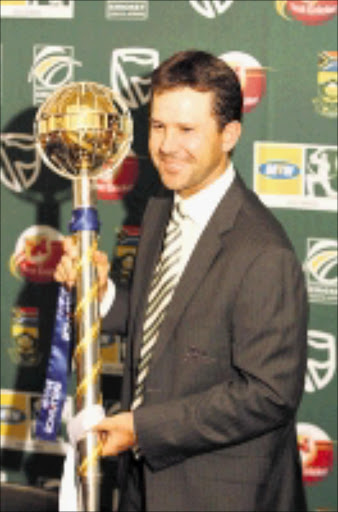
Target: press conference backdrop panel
{"points": [[285, 54]]}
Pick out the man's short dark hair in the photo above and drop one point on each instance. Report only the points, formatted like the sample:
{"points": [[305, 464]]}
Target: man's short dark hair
{"points": [[203, 72]]}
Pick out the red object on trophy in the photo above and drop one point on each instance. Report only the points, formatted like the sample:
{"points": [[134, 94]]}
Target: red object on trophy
{"points": [[114, 187]]}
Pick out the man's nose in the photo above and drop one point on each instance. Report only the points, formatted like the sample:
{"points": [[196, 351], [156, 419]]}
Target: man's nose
{"points": [[169, 142]]}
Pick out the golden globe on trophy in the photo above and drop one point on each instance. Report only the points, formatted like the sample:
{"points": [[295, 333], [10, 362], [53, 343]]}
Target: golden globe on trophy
{"points": [[81, 130]]}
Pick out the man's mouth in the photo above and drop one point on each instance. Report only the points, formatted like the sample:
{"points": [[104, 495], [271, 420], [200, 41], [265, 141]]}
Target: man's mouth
{"points": [[171, 164]]}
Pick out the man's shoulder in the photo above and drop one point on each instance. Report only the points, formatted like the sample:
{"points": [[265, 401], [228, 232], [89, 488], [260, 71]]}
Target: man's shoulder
{"points": [[160, 198], [258, 222]]}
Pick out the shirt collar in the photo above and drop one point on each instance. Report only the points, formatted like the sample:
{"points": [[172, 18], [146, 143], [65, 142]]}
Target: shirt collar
{"points": [[200, 206]]}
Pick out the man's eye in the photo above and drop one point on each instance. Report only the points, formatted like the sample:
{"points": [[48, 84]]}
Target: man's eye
{"points": [[156, 126], [187, 129]]}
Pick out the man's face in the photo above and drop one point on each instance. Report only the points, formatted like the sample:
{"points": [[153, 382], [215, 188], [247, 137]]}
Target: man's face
{"points": [[185, 142]]}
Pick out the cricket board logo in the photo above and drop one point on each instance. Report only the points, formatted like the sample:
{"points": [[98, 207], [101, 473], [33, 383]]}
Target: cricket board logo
{"points": [[308, 12], [321, 363], [130, 74], [20, 162], [326, 102], [37, 8], [320, 268], [302, 176], [252, 77], [53, 67], [36, 254], [211, 8], [316, 452]]}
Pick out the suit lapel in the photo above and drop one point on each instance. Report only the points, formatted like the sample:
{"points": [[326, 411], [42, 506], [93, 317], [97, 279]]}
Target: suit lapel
{"points": [[205, 253]]}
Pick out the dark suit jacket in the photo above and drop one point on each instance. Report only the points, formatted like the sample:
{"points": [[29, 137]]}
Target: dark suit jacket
{"points": [[217, 426]]}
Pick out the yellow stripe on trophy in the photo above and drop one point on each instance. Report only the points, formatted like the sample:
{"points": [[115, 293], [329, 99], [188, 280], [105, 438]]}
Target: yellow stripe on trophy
{"points": [[89, 338], [91, 460], [83, 385], [87, 257], [87, 299]]}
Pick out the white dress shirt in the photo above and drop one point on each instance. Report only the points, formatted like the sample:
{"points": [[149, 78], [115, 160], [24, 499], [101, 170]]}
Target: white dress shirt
{"points": [[197, 210]]}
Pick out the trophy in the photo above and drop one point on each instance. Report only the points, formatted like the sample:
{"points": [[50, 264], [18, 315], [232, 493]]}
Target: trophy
{"points": [[82, 130]]}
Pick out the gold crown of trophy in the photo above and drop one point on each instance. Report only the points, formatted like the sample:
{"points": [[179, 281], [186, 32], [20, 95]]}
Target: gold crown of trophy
{"points": [[81, 130]]}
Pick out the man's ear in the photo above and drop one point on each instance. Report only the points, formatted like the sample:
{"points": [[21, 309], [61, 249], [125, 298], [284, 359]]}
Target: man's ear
{"points": [[231, 134]]}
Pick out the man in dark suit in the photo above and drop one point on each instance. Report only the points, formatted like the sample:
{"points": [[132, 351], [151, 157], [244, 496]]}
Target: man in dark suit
{"points": [[209, 408]]}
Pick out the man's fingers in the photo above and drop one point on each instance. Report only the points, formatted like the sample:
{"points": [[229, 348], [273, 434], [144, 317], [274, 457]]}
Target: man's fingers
{"points": [[65, 272], [105, 425], [70, 247], [106, 436], [100, 259]]}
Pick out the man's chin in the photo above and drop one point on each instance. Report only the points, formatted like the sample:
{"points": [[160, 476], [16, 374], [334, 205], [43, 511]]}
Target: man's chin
{"points": [[173, 185], [171, 180]]}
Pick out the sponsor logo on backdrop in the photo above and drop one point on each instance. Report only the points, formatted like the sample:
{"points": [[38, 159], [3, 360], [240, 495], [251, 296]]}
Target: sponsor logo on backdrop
{"points": [[14, 416], [302, 176], [37, 8], [130, 10], [19, 160], [130, 74], [316, 451], [37, 252], [112, 353], [53, 67], [321, 173], [327, 85], [113, 346], [113, 186], [11, 415], [211, 8], [25, 348], [18, 414], [125, 254], [308, 12], [320, 267], [251, 75], [321, 363]]}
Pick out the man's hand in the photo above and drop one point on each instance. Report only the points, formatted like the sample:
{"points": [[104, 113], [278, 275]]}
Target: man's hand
{"points": [[116, 433], [66, 270]]}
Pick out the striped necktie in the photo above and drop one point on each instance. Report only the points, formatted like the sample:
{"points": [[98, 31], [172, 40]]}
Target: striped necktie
{"points": [[161, 290]]}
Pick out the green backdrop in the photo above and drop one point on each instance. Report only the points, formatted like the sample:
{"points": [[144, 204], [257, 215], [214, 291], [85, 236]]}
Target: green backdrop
{"points": [[286, 55]]}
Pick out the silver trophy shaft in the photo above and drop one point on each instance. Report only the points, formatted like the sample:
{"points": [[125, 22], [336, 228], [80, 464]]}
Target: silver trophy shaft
{"points": [[88, 384]]}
